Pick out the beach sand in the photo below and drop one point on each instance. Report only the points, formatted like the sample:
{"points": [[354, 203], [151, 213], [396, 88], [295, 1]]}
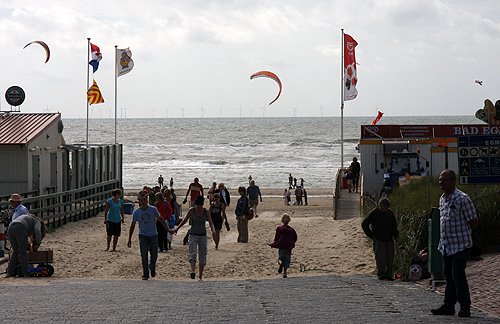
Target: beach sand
{"points": [[324, 246]]}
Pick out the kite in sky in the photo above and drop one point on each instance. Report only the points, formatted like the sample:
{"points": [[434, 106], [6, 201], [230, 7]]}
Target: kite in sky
{"points": [[47, 50], [270, 75]]}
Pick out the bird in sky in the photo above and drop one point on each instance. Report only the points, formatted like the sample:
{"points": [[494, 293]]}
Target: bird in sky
{"points": [[479, 82]]}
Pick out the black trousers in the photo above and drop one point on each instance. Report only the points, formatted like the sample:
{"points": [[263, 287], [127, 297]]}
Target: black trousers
{"points": [[457, 288]]}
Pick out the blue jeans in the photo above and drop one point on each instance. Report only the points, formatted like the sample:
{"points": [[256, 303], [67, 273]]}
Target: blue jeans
{"points": [[457, 288], [148, 243]]}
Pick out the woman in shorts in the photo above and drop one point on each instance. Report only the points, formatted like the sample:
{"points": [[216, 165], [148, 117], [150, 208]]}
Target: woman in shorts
{"points": [[218, 213], [114, 217]]}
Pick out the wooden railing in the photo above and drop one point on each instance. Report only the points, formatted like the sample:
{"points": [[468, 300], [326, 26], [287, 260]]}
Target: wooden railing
{"points": [[59, 208]]}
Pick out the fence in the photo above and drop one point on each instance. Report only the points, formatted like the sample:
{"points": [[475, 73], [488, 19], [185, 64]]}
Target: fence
{"points": [[59, 208]]}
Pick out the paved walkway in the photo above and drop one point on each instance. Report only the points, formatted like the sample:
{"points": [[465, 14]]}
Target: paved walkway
{"points": [[321, 299]]}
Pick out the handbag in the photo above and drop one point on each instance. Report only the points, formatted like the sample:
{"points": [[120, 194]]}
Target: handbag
{"points": [[250, 214]]}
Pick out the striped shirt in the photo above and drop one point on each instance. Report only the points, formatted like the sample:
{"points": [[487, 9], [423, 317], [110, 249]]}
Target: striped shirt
{"points": [[456, 211]]}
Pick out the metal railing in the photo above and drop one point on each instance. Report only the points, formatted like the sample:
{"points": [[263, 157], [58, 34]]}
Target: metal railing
{"points": [[59, 208]]}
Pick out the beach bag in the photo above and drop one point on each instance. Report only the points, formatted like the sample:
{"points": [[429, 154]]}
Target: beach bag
{"points": [[250, 214]]}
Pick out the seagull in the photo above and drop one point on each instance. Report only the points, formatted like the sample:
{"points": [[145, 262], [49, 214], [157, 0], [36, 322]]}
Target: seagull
{"points": [[479, 82]]}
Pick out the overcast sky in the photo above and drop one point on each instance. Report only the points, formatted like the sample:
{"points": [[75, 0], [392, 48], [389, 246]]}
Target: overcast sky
{"points": [[417, 57]]}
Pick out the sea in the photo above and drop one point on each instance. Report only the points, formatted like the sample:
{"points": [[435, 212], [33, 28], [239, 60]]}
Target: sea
{"points": [[230, 150]]}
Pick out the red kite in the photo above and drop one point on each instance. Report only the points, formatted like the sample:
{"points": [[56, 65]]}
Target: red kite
{"points": [[270, 75]]}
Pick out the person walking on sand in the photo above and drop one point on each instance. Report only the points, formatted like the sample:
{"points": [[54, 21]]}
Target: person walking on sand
{"points": [[380, 225], [23, 227], [241, 212], [457, 219], [224, 194], [195, 189], [304, 193], [290, 180], [146, 215], [211, 192], [284, 241], [160, 181], [114, 217], [171, 183], [298, 195], [162, 204], [218, 214], [254, 196], [198, 235]]}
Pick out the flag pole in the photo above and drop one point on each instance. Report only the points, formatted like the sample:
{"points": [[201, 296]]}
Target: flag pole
{"points": [[116, 85], [86, 90], [342, 101]]}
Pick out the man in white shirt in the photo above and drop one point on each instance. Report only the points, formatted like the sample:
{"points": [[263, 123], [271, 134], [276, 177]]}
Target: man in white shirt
{"points": [[16, 203]]}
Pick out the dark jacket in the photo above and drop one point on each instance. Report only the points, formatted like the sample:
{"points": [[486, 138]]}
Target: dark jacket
{"points": [[284, 238], [242, 206], [380, 226]]}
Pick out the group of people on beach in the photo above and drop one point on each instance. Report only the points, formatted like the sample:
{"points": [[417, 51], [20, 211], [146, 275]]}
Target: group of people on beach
{"points": [[298, 190], [157, 223]]}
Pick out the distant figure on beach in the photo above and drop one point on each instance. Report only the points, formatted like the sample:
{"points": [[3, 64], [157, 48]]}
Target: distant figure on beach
{"points": [[211, 192], [295, 182], [298, 195], [195, 189], [198, 235], [284, 241], [356, 170], [114, 218], [16, 202], [224, 194], [23, 227], [254, 196], [304, 193], [241, 212], [380, 225], [171, 183], [286, 197], [218, 213], [163, 206], [302, 182], [249, 179], [458, 217], [160, 181], [290, 181], [146, 215]]}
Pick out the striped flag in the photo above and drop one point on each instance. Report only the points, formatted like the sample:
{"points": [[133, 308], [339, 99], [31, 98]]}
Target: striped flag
{"points": [[96, 57], [94, 95]]}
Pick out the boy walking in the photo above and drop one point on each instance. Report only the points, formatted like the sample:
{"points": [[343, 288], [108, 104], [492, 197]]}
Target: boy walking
{"points": [[284, 241]]}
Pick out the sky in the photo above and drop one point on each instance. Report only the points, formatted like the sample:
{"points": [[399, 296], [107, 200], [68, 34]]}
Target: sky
{"points": [[194, 58]]}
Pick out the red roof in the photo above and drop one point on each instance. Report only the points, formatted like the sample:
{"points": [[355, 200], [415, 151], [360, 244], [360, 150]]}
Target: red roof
{"points": [[19, 128]]}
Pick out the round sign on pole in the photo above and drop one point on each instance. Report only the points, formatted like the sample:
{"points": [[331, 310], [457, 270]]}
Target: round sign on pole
{"points": [[15, 96]]}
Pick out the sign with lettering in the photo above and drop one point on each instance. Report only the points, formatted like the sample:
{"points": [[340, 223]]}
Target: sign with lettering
{"points": [[479, 159]]}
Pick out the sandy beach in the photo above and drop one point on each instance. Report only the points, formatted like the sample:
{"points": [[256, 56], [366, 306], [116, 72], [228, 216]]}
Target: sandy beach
{"points": [[324, 246]]}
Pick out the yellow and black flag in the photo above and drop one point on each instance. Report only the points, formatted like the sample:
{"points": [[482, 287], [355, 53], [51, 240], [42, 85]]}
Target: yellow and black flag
{"points": [[94, 95]]}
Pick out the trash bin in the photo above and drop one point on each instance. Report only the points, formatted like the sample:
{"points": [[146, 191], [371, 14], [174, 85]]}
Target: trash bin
{"points": [[435, 257], [128, 208]]}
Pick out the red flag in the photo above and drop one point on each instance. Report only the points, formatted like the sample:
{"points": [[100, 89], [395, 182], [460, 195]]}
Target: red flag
{"points": [[350, 75], [379, 115]]}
